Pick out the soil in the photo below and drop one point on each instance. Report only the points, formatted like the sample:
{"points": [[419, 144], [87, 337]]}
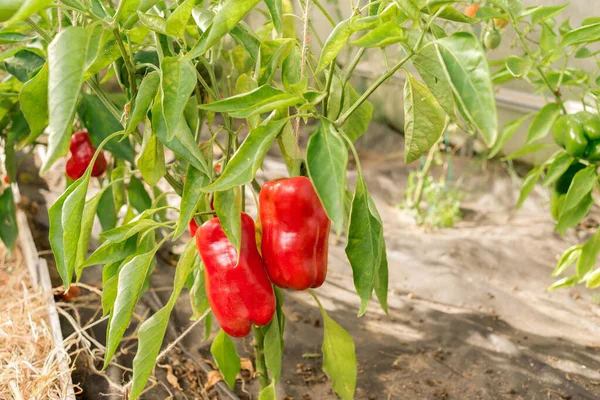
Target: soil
{"points": [[469, 318]]}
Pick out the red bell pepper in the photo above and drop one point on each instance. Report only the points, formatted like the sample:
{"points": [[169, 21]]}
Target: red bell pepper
{"points": [[295, 233], [239, 293], [82, 152]]}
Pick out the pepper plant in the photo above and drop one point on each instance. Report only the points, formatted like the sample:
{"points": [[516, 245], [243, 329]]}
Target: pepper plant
{"points": [[545, 56], [146, 79]]}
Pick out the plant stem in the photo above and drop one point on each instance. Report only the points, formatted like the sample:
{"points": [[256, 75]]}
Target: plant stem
{"points": [[324, 12], [341, 120], [261, 365], [127, 58], [39, 30], [425, 172]]}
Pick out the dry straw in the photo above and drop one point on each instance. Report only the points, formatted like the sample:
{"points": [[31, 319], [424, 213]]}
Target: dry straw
{"points": [[31, 364]]}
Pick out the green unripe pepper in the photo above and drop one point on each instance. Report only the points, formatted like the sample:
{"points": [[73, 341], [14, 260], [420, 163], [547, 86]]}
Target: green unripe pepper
{"points": [[575, 140], [593, 151], [492, 39], [591, 124], [559, 130]]}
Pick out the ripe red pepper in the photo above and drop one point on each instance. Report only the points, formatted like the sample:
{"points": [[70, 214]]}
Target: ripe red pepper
{"points": [[193, 227], [295, 233], [82, 152], [239, 293]]}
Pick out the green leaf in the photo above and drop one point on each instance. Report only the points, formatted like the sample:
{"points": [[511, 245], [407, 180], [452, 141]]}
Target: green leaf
{"points": [[564, 283], [146, 93], [87, 223], [107, 213], [530, 148], [269, 392], [542, 122], [335, 42], [111, 252], [258, 101], [23, 64], [548, 40], [226, 19], [131, 280], [272, 54], [198, 297], [382, 36], [126, 10], [589, 254], [138, 196], [14, 37], [248, 158], [339, 357], [429, 66], [119, 190], [567, 259], [365, 247], [557, 168], [152, 331], [581, 185], [8, 219], [358, 122], [153, 22], [506, 133], [585, 34], [410, 8], [291, 73], [151, 161], [183, 144], [326, 159], [27, 9], [179, 18], [71, 220], [546, 12], [33, 99], [518, 66], [245, 38], [191, 197], [424, 119], [466, 66], [110, 283], [593, 280], [177, 82], [275, 9], [273, 348], [528, 184], [225, 354], [66, 64], [571, 217], [228, 206], [100, 123]]}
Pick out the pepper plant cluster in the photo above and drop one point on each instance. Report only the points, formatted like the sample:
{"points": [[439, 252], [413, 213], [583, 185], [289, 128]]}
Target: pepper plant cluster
{"points": [[186, 78], [546, 48]]}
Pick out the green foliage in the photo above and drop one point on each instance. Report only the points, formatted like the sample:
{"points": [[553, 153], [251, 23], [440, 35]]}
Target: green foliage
{"points": [[147, 78]]}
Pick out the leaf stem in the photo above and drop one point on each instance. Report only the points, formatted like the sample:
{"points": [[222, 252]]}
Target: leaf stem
{"points": [[39, 30], [259, 352]]}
